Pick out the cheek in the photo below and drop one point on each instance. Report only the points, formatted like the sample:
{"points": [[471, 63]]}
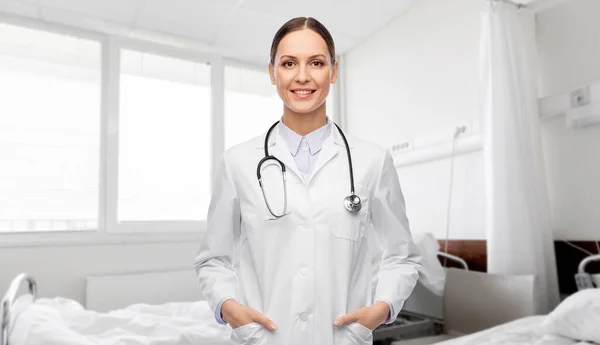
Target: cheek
{"points": [[324, 79], [282, 81]]}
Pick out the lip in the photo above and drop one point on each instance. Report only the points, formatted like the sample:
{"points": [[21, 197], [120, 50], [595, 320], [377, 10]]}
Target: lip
{"points": [[299, 96]]}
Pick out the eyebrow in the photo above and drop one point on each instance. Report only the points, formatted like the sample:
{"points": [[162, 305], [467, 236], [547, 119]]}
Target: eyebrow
{"points": [[311, 57]]}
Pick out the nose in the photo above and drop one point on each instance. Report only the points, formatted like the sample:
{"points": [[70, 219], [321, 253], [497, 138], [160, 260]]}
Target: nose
{"points": [[303, 76]]}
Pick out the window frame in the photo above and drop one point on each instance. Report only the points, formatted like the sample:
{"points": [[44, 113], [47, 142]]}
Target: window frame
{"points": [[111, 116], [32, 238], [109, 231]]}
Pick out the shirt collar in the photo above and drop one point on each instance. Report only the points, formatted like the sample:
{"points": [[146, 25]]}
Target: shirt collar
{"points": [[315, 139]]}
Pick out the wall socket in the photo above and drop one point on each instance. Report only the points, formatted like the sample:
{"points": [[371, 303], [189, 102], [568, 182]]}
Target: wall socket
{"points": [[580, 97], [402, 146]]}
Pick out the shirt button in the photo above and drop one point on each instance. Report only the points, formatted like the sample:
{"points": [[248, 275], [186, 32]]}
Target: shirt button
{"points": [[305, 149], [304, 271], [304, 316]]}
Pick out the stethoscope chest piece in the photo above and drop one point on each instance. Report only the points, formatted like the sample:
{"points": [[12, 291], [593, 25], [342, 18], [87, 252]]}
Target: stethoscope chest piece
{"points": [[352, 203]]}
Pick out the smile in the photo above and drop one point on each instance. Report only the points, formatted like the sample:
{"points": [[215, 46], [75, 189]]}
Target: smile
{"points": [[303, 94]]}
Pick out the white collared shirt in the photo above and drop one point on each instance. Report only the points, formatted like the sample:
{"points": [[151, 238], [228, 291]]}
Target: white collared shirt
{"points": [[305, 149]]}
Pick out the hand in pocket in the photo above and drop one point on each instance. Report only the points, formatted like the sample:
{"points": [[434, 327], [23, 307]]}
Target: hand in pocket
{"points": [[238, 315], [369, 317]]}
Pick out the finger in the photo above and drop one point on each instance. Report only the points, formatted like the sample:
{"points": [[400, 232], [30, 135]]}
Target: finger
{"points": [[346, 319], [263, 320]]}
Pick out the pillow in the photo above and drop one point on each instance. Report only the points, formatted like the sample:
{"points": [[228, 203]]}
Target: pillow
{"points": [[431, 274], [577, 317]]}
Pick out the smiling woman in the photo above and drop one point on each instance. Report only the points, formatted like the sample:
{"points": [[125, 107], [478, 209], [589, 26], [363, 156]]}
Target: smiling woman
{"points": [[304, 273]]}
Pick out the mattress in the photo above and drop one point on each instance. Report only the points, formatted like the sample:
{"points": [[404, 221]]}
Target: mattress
{"points": [[519, 332]]}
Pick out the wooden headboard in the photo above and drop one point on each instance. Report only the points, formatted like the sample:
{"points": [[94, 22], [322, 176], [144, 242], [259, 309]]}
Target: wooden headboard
{"points": [[474, 252]]}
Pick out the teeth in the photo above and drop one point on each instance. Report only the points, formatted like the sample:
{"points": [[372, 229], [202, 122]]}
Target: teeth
{"points": [[302, 92]]}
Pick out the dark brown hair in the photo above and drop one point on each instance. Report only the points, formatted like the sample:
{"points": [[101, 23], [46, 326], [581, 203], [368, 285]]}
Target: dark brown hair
{"points": [[300, 23]]}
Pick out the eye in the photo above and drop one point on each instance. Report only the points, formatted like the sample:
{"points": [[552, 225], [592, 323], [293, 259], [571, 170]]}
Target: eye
{"points": [[288, 64], [318, 63]]}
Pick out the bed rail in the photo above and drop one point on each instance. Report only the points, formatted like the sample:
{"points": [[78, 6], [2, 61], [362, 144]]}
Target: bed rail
{"points": [[587, 260], [454, 258], [8, 301]]}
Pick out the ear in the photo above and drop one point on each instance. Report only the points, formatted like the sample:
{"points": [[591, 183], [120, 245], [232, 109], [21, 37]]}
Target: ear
{"points": [[272, 74], [334, 73]]}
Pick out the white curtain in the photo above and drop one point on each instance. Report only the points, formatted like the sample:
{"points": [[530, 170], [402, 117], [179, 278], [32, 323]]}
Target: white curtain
{"points": [[518, 221]]}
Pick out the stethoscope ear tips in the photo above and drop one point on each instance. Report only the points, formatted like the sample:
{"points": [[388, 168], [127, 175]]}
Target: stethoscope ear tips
{"points": [[352, 203]]}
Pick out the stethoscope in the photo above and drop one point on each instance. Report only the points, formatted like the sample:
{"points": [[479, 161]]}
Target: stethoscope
{"points": [[351, 202]]}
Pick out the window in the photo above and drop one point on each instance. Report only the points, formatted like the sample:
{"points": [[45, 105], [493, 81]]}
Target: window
{"points": [[164, 138], [50, 86], [251, 104]]}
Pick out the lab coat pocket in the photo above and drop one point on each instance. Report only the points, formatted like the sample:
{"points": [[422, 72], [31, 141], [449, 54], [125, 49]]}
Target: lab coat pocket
{"points": [[349, 225], [252, 333], [363, 334]]}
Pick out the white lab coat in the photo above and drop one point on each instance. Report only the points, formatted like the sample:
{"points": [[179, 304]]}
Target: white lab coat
{"points": [[318, 262]]}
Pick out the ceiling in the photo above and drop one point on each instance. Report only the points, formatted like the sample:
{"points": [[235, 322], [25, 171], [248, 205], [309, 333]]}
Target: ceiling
{"points": [[242, 29]]}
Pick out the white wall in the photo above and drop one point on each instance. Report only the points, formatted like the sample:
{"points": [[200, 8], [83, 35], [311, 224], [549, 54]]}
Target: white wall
{"points": [[61, 270], [426, 188], [568, 38], [420, 73], [420, 76]]}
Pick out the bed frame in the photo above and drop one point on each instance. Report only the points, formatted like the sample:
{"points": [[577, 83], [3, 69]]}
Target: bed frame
{"points": [[9, 299], [584, 280], [584, 262], [459, 260]]}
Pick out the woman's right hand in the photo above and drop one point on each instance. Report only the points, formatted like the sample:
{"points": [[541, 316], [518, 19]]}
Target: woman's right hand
{"points": [[238, 315]]}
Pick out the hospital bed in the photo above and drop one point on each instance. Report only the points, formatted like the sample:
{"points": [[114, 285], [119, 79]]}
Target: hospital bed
{"points": [[29, 320], [482, 308]]}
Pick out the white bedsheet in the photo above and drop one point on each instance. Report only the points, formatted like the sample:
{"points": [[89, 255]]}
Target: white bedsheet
{"points": [[519, 332], [61, 321]]}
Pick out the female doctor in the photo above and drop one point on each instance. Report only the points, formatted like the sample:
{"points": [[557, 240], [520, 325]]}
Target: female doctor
{"points": [[311, 245]]}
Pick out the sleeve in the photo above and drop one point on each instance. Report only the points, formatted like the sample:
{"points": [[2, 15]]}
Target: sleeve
{"points": [[401, 258], [214, 259]]}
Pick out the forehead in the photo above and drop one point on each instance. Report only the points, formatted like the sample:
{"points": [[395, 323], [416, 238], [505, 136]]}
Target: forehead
{"points": [[303, 42]]}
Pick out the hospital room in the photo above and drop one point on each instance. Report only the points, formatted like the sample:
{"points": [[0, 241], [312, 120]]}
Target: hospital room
{"points": [[268, 172]]}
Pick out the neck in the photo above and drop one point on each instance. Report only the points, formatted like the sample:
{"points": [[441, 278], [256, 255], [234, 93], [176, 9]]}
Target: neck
{"points": [[304, 123]]}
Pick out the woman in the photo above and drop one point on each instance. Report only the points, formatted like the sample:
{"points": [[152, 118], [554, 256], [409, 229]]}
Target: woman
{"points": [[311, 265]]}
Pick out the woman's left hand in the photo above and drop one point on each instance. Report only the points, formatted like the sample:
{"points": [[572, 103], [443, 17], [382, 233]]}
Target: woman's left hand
{"points": [[370, 317]]}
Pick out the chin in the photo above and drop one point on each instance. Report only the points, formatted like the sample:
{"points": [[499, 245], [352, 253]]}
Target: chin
{"points": [[304, 108], [303, 111]]}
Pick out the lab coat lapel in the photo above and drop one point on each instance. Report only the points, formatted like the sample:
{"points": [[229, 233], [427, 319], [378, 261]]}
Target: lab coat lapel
{"points": [[330, 149], [279, 149]]}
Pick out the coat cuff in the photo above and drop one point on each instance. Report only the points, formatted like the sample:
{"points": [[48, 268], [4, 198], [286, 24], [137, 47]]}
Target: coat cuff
{"points": [[218, 315], [391, 315]]}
